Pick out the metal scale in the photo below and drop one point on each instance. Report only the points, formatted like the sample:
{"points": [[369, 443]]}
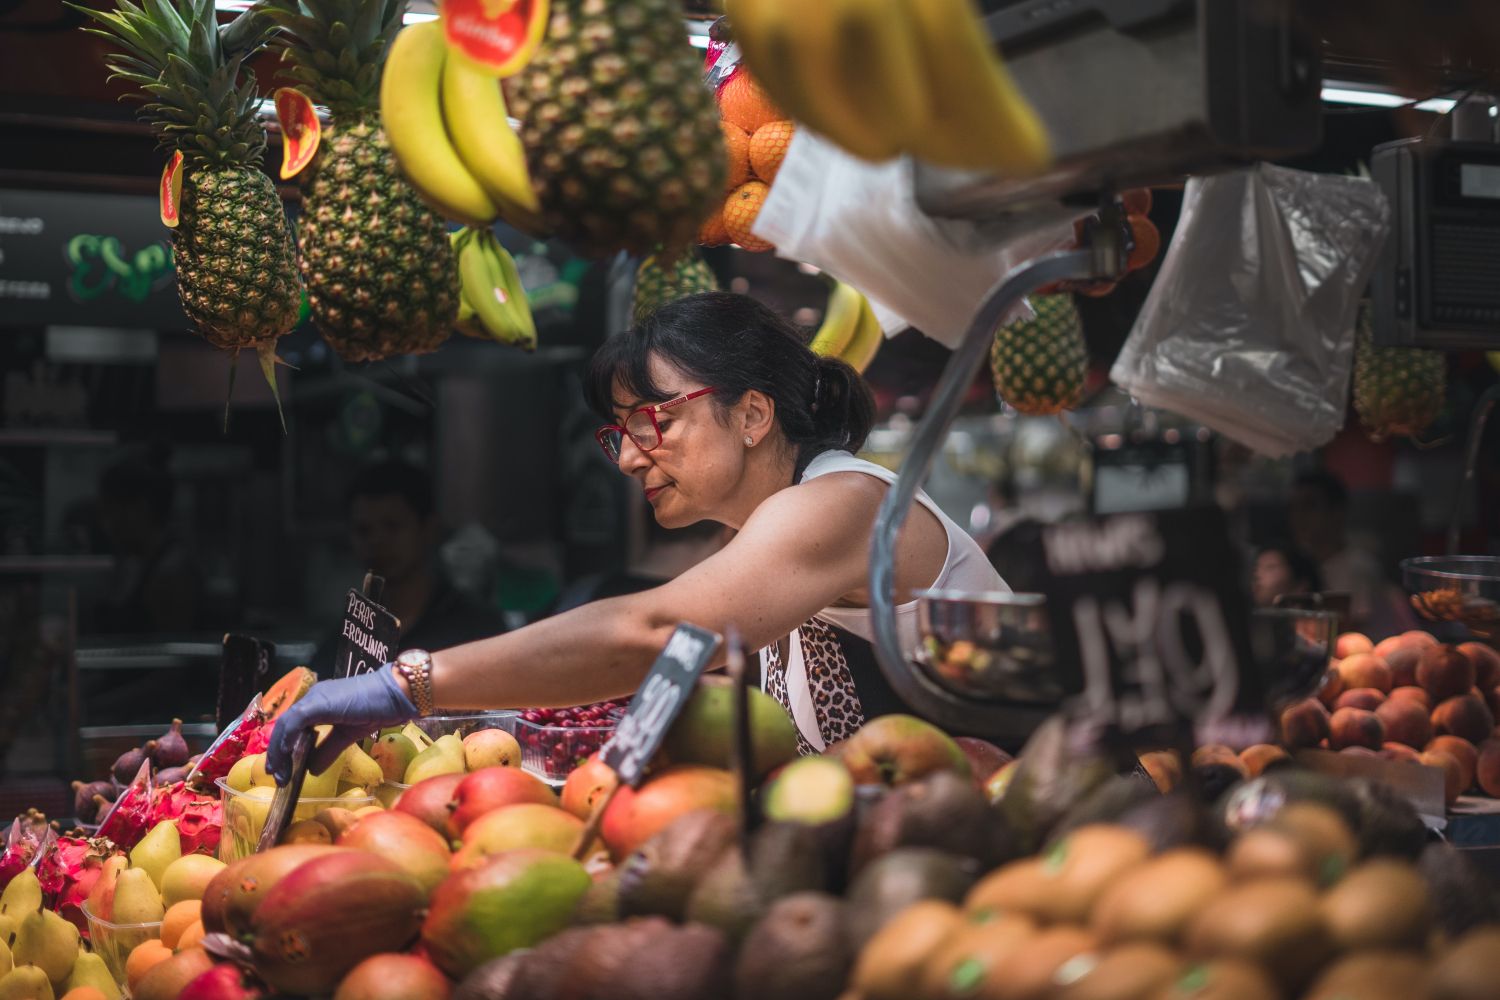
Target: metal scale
{"points": [[1133, 92]]}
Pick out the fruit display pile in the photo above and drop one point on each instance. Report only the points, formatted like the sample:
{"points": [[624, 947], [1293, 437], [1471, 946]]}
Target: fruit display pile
{"points": [[756, 136]]}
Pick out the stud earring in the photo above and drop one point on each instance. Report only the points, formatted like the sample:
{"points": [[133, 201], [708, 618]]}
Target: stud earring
{"points": [[749, 441]]}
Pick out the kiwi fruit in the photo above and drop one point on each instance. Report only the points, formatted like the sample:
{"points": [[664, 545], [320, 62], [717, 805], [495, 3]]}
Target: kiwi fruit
{"points": [[891, 963], [1155, 901], [975, 964], [1372, 976], [1470, 969], [1275, 922], [1138, 970], [1381, 905], [1457, 889], [1223, 979]]}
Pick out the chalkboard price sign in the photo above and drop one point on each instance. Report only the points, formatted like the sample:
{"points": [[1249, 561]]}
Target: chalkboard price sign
{"points": [[1150, 622], [659, 701], [367, 638]]}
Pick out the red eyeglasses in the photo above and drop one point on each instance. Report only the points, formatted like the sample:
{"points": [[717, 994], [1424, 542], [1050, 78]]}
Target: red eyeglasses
{"points": [[640, 426]]}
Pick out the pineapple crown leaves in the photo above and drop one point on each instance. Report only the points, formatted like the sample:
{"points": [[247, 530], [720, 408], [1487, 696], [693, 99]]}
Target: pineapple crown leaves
{"points": [[336, 48], [189, 71]]}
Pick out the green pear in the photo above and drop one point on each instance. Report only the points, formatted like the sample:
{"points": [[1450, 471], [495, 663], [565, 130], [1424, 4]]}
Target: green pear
{"points": [[246, 814], [48, 942], [137, 900], [258, 775], [242, 775], [6, 962], [22, 896], [90, 970], [26, 982], [157, 849], [359, 769], [394, 753], [321, 786], [440, 758]]}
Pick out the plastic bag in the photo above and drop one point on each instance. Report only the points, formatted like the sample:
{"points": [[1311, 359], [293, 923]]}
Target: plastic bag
{"points": [[1250, 325], [860, 221]]}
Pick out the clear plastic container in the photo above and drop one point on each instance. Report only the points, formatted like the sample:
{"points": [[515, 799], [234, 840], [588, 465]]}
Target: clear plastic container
{"points": [[114, 942], [245, 816], [462, 725], [389, 791], [552, 752]]}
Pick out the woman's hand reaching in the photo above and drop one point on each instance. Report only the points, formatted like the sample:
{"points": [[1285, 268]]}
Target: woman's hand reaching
{"points": [[355, 707]]}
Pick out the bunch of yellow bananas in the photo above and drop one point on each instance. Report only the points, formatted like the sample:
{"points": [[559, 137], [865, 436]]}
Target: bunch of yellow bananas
{"points": [[886, 77], [850, 331], [492, 303], [448, 127]]}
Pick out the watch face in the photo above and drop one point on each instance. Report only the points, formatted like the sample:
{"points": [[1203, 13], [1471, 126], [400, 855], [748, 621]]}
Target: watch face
{"points": [[412, 657]]}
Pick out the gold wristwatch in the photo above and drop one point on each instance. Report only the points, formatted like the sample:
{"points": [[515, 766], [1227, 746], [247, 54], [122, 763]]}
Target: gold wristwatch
{"points": [[416, 666]]}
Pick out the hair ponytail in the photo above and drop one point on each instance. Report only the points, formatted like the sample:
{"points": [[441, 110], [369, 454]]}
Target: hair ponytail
{"points": [[842, 409]]}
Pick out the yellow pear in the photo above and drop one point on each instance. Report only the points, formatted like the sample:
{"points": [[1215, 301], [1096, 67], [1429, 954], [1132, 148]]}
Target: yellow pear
{"points": [[26, 982], [8, 925], [137, 900], [90, 970], [359, 768], [246, 814], [417, 735], [22, 896], [491, 748], [156, 850], [6, 962], [101, 901], [258, 775], [48, 942], [188, 877], [321, 786], [242, 775], [440, 758]]}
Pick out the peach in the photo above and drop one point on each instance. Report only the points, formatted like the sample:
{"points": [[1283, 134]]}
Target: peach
{"points": [[1350, 643], [1403, 663], [1163, 765], [1466, 716], [1487, 773], [1460, 750], [1412, 692], [1261, 756], [1486, 663], [1399, 751], [1453, 783], [1385, 647], [1492, 699], [1406, 721], [1368, 699], [1355, 727], [1212, 753], [1332, 687], [1304, 724], [1365, 670], [1419, 638], [1445, 672]]}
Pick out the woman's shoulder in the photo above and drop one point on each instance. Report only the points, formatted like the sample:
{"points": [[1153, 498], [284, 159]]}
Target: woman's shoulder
{"points": [[833, 499]]}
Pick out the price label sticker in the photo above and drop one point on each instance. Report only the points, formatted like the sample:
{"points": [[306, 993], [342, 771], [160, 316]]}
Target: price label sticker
{"points": [[497, 37], [1151, 626], [659, 701], [368, 637]]}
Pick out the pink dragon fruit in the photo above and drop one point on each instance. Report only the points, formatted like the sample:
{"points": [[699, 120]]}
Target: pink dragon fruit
{"points": [[130, 817], [260, 739], [68, 871], [29, 835], [200, 818], [228, 748]]}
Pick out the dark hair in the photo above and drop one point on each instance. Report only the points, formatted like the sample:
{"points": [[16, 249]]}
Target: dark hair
{"points": [[138, 480], [1303, 567], [1328, 486], [394, 479], [735, 344]]}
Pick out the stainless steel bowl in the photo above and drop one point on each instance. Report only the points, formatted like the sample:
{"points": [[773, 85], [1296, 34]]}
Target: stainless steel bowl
{"points": [[1463, 589], [987, 646], [1292, 647]]}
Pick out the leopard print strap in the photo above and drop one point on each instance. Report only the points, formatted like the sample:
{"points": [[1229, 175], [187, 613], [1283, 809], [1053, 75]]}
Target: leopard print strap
{"points": [[830, 681]]}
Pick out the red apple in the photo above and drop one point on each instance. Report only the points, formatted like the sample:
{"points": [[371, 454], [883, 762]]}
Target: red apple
{"points": [[429, 800], [984, 757], [491, 788], [638, 814], [896, 749]]}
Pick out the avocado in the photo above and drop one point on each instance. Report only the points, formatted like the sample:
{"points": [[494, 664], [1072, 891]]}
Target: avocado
{"points": [[725, 897], [890, 884], [534, 974], [789, 857], [1106, 804], [798, 951], [644, 958], [942, 811], [1177, 819], [600, 903], [1459, 892], [1053, 775], [657, 877], [497, 979], [1388, 823]]}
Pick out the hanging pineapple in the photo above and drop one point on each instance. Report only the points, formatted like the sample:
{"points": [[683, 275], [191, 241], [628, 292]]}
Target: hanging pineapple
{"points": [[1040, 365], [380, 275], [1397, 390], [236, 267], [622, 137], [656, 285]]}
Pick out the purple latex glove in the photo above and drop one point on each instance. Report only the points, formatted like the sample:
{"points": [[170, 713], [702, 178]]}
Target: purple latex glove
{"points": [[355, 707]]}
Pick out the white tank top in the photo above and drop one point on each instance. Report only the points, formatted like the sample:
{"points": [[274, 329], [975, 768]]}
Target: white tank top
{"points": [[965, 567]]}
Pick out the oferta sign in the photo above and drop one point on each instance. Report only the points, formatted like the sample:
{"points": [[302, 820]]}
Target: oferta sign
{"points": [[70, 258]]}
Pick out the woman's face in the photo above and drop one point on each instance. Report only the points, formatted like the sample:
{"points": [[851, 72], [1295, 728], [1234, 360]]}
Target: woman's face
{"points": [[693, 474], [1272, 578]]}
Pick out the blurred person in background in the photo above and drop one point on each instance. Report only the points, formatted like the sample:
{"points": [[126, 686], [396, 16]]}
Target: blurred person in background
{"points": [[1283, 569], [394, 533], [157, 584]]}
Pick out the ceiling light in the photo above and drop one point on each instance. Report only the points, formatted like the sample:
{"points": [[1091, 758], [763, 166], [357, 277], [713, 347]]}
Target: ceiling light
{"points": [[1335, 92]]}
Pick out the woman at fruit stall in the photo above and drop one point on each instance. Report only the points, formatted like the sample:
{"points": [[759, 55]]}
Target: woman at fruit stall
{"points": [[717, 408]]}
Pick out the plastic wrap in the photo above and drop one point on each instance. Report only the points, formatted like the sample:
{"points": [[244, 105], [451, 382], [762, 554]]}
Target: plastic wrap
{"points": [[1250, 325], [860, 221]]}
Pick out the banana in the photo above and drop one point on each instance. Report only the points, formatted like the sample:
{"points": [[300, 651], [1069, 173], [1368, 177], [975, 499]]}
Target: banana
{"points": [[868, 338], [411, 109], [840, 321], [475, 113], [978, 118], [878, 69], [493, 289], [503, 265], [467, 322]]}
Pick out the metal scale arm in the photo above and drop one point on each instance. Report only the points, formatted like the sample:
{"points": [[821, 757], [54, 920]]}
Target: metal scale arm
{"points": [[1102, 259]]}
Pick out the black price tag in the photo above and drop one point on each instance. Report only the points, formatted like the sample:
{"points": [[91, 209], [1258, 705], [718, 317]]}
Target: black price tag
{"points": [[1150, 624], [368, 637], [659, 701]]}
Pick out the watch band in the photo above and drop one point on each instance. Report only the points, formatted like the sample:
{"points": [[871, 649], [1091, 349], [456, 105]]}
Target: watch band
{"points": [[416, 666]]}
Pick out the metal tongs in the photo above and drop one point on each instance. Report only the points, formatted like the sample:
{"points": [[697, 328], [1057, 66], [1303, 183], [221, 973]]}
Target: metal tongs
{"points": [[285, 799]]}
